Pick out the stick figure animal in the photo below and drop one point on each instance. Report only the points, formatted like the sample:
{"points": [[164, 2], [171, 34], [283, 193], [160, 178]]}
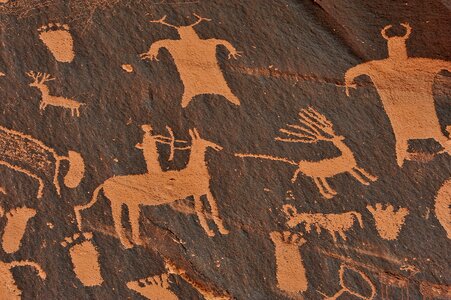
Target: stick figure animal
{"points": [[316, 127], [39, 82], [405, 86], [154, 189], [196, 61]]}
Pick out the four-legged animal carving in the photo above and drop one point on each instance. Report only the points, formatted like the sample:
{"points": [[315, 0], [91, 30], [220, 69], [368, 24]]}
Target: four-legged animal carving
{"points": [[47, 99], [154, 189], [333, 223]]}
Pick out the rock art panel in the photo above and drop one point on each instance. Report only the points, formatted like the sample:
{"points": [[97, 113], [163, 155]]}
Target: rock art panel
{"points": [[405, 85], [196, 61], [29, 156]]}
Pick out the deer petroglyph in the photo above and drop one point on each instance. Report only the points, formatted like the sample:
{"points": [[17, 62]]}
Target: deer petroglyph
{"points": [[47, 99], [333, 223], [196, 61], [29, 156], [405, 87], [316, 127], [156, 187]]}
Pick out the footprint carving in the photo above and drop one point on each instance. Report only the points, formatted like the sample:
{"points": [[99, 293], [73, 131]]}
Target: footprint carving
{"points": [[17, 220], [155, 288], [58, 40], [85, 258]]}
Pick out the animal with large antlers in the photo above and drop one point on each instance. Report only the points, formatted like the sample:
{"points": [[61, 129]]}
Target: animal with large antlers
{"points": [[39, 82], [196, 61], [155, 189], [312, 128]]}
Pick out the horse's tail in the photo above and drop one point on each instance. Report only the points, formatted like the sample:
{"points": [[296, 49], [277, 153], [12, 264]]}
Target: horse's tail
{"points": [[79, 208]]}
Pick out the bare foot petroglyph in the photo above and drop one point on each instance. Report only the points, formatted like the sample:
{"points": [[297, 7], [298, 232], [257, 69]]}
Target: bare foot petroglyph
{"points": [[85, 258], [388, 221], [290, 272], [58, 40], [154, 288], [17, 220]]}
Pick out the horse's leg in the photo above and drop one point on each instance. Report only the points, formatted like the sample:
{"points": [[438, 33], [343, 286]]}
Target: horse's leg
{"points": [[215, 213], [365, 173], [116, 209], [134, 211], [358, 177], [198, 207]]}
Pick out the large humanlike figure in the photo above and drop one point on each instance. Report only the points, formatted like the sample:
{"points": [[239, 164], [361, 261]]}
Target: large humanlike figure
{"points": [[405, 86], [196, 62]]}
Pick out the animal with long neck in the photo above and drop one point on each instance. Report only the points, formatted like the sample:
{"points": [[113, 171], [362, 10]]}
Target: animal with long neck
{"points": [[155, 189], [47, 99]]}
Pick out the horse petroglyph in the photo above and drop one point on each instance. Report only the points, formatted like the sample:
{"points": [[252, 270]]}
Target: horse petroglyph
{"points": [[405, 87], [39, 82], [196, 61], [16, 224], [316, 127], [31, 157], [333, 223], [57, 38], [156, 187], [85, 258], [290, 272], [388, 221]]}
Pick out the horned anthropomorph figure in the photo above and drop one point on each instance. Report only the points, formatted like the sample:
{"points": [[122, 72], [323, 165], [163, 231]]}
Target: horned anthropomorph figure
{"points": [[196, 61], [405, 86]]}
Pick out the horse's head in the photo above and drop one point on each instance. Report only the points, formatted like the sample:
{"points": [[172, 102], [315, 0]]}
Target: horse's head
{"points": [[198, 141]]}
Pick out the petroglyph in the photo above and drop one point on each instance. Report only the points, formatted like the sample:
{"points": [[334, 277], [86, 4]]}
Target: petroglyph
{"points": [[348, 290], [46, 99], [388, 221], [57, 38], [388, 280], [333, 223], [3, 191], [290, 271], [405, 86], [85, 258], [127, 68], [196, 61], [314, 127], [16, 224], [154, 288], [203, 290], [8, 288], [431, 291], [29, 156], [443, 206], [156, 187]]}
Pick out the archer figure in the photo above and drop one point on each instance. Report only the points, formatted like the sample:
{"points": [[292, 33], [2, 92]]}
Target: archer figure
{"points": [[196, 62], [405, 86]]}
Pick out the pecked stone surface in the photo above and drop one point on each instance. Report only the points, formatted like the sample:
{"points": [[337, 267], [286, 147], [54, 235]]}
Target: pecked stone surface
{"points": [[264, 85]]}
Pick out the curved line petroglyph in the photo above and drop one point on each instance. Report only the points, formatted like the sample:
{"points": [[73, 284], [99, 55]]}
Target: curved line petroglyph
{"points": [[196, 61], [27, 155], [156, 187], [405, 87], [314, 127], [8, 288]]}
